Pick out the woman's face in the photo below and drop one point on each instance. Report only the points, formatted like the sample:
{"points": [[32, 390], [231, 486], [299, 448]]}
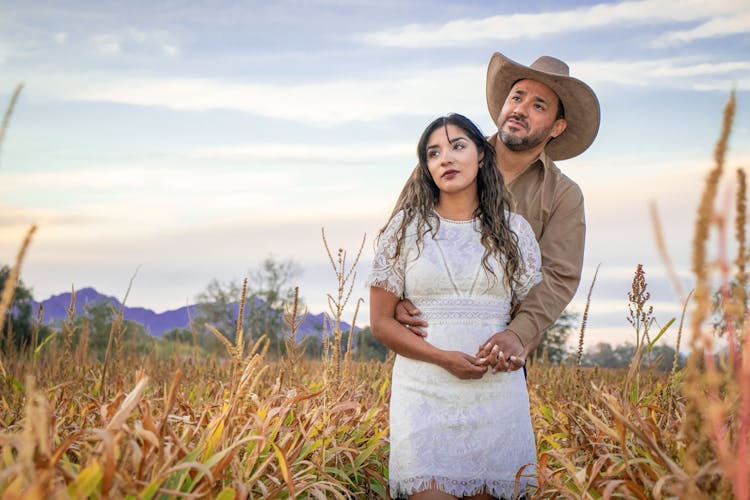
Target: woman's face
{"points": [[453, 160]]}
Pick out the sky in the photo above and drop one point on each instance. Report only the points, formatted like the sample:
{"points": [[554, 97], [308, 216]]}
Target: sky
{"points": [[187, 141]]}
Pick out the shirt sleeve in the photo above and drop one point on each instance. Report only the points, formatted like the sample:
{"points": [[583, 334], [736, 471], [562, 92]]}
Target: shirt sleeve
{"points": [[561, 244], [388, 272]]}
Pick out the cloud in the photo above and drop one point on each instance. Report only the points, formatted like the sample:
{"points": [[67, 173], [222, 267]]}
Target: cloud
{"points": [[606, 306], [57, 227], [60, 38], [309, 153], [130, 39], [420, 93], [106, 43], [677, 73], [718, 27], [12, 218], [121, 181], [179, 261], [170, 50], [416, 93], [147, 199], [521, 26]]}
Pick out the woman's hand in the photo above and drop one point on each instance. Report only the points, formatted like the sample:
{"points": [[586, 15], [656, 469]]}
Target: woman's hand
{"points": [[504, 351], [463, 365]]}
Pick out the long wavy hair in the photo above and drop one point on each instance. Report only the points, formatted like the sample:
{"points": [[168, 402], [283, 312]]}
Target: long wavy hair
{"points": [[420, 196]]}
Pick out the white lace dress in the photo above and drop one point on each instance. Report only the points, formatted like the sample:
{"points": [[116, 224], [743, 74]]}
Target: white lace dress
{"points": [[460, 436]]}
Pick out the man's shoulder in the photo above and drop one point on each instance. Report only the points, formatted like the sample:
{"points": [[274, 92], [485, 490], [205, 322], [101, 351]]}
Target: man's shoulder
{"points": [[556, 177]]}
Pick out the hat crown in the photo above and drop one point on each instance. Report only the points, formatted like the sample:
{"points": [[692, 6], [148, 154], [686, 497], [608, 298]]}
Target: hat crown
{"points": [[551, 65]]}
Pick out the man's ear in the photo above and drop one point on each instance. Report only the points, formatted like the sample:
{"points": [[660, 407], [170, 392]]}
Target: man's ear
{"points": [[559, 127]]}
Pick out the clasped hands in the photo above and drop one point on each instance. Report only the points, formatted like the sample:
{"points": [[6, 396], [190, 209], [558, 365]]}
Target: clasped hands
{"points": [[503, 351]]}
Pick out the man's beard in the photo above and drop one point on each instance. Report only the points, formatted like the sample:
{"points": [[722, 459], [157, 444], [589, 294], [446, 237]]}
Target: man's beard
{"points": [[515, 143]]}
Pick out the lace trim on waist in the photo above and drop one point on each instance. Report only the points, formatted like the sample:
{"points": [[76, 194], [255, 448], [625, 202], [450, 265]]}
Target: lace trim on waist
{"points": [[463, 308]]}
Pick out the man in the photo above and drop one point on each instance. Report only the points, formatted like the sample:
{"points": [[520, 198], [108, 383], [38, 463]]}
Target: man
{"points": [[542, 114]]}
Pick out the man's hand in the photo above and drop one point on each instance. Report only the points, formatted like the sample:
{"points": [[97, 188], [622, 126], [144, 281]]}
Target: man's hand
{"points": [[505, 352], [463, 365], [407, 315]]}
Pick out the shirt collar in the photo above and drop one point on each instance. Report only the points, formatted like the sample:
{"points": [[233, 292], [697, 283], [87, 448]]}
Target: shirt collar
{"points": [[538, 167], [543, 162]]}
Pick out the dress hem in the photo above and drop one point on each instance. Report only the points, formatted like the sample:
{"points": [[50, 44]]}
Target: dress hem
{"points": [[497, 488]]}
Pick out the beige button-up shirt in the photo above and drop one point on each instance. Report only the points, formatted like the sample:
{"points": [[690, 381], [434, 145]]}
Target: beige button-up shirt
{"points": [[553, 205]]}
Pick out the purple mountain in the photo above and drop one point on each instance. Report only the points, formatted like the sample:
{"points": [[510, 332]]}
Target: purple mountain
{"points": [[55, 310]]}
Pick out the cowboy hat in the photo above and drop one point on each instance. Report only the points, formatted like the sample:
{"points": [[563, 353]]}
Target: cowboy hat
{"points": [[579, 101]]}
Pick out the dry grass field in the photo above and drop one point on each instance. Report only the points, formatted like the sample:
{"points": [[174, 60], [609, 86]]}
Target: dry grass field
{"points": [[243, 425]]}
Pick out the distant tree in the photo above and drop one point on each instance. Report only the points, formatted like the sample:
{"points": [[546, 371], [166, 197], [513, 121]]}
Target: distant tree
{"points": [[555, 338], [101, 317], [661, 358], [18, 324], [722, 316], [603, 354], [364, 345], [135, 338], [216, 306], [311, 346], [624, 353], [181, 335], [269, 288], [367, 347]]}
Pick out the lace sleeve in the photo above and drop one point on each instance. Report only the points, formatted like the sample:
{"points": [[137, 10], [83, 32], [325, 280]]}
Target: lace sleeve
{"points": [[387, 272], [531, 272]]}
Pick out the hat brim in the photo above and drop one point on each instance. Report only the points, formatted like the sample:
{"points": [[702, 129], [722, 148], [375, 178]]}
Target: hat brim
{"points": [[581, 105]]}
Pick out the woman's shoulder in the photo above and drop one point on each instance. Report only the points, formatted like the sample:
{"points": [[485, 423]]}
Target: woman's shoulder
{"points": [[397, 219], [518, 223], [527, 243]]}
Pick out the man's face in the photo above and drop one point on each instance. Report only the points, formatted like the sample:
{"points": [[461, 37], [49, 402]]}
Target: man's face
{"points": [[528, 117]]}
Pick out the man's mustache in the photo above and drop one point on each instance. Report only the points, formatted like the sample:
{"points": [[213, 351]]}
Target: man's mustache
{"points": [[519, 119]]}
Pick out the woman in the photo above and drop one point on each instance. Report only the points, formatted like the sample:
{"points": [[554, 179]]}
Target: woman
{"points": [[454, 249]]}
